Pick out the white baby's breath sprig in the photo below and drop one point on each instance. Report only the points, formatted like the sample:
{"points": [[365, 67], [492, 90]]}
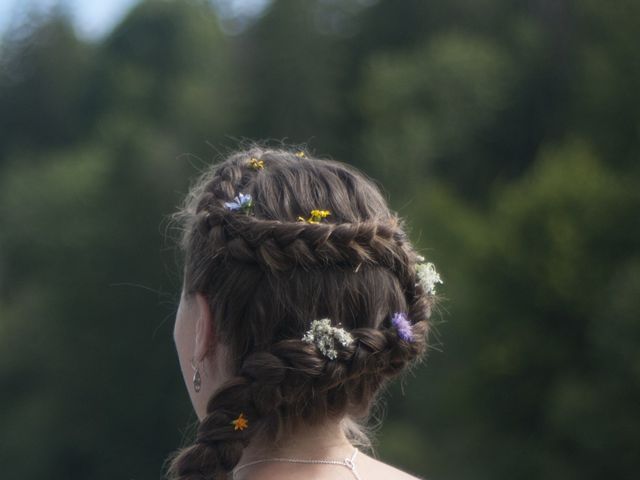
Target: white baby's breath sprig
{"points": [[324, 336], [428, 276]]}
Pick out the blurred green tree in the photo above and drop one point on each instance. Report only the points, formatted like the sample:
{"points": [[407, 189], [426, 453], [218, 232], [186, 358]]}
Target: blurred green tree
{"points": [[93, 387], [45, 96]]}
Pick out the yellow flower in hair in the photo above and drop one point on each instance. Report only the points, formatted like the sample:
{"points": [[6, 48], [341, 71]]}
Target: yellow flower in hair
{"points": [[301, 154], [256, 164], [316, 216], [240, 423]]}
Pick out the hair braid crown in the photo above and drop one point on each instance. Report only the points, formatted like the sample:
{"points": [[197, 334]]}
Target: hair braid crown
{"points": [[268, 270]]}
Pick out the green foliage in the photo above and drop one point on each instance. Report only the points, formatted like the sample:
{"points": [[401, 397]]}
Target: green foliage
{"points": [[168, 66], [45, 97], [434, 106], [291, 74], [506, 133], [556, 247]]}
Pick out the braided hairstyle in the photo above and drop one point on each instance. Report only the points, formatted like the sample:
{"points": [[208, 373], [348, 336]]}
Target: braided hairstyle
{"points": [[267, 275]]}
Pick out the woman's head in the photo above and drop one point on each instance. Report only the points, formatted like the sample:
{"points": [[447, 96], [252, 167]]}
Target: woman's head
{"points": [[261, 268]]}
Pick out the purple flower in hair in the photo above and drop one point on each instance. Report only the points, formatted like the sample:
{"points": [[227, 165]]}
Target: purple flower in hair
{"points": [[401, 322], [240, 202]]}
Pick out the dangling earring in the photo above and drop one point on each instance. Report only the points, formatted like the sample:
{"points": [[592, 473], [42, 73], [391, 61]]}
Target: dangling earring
{"points": [[197, 381]]}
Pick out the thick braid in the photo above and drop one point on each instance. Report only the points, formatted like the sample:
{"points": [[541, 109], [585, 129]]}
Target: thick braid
{"points": [[257, 393], [282, 245], [278, 245], [218, 445], [293, 378], [292, 368]]}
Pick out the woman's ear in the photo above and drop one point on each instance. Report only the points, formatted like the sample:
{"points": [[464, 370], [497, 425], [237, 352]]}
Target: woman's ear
{"points": [[205, 332]]}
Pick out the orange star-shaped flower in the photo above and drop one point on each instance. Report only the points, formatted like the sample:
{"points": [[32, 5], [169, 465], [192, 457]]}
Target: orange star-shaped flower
{"points": [[240, 423]]}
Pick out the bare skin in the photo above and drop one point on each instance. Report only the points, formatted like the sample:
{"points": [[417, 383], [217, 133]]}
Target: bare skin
{"points": [[328, 443]]}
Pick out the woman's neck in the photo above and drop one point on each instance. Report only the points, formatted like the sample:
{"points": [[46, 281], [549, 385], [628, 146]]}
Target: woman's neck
{"points": [[327, 442]]}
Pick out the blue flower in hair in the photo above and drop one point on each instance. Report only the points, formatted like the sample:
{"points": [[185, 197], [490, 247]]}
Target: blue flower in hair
{"points": [[240, 202]]}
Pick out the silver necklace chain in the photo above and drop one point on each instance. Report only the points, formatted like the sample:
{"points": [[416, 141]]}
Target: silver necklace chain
{"points": [[347, 462]]}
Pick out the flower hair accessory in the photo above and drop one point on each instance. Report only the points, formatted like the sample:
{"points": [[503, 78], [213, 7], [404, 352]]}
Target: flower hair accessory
{"points": [[240, 423], [241, 202], [428, 276], [315, 216], [402, 325], [256, 164], [300, 154], [325, 336]]}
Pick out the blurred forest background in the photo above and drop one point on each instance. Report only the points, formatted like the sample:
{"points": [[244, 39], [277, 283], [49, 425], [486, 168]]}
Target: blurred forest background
{"points": [[507, 132]]}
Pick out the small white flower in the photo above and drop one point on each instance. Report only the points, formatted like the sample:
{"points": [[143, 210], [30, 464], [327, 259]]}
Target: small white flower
{"points": [[428, 277], [324, 336]]}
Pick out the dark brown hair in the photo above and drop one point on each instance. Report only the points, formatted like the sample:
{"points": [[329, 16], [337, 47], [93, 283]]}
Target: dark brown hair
{"points": [[267, 275]]}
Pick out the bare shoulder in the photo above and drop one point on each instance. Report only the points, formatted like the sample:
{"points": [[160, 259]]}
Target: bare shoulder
{"points": [[370, 468]]}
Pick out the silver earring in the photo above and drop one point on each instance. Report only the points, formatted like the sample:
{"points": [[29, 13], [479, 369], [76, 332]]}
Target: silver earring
{"points": [[197, 381]]}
